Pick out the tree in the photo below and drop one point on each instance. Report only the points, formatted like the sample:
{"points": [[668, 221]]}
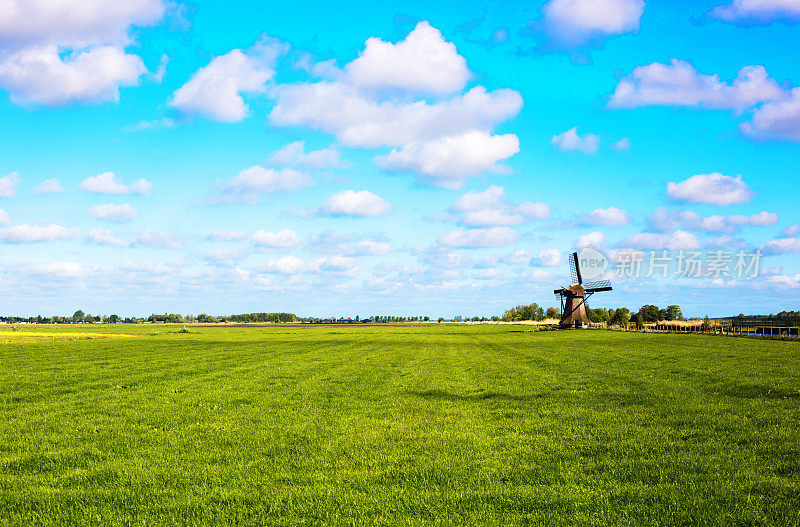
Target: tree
{"points": [[673, 312], [638, 320], [78, 316], [552, 312], [621, 317], [113, 319], [650, 313]]}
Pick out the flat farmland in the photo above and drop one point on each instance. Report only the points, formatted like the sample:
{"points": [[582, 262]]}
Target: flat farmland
{"points": [[438, 425]]}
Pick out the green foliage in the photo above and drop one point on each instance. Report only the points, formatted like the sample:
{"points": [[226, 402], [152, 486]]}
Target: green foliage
{"points": [[529, 312], [470, 425]]}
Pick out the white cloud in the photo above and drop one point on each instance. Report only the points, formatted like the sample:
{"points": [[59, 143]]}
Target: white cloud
{"points": [[673, 241], [570, 140], [474, 201], [250, 183], [215, 91], [449, 160], [422, 62], [518, 257], [8, 184], [44, 76], [488, 274], [438, 258], [105, 237], [667, 220], [491, 218], [549, 257], [474, 238], [538, 210], [359, 204], [288, 265], [609, 216], [714, 188], [791, 231], [294, 154], [573, 22], [282, 238], [62, 270], [680, 84], [107, 183], [227, 236], [753, 12], [25, 233], [623, 145], [114, 213], [159, 239], [4, 217], [537, 275], [49, 186], [331, 243], [776, 120], [591, 239], [781, 246], [487, 209]]}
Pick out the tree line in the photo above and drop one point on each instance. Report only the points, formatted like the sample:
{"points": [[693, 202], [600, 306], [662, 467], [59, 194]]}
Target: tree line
{"points": [[620, 317]]}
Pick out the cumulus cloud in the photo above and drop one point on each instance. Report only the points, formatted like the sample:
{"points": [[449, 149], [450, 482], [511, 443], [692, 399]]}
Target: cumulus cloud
{"points": [[791, 231], [159, 239], [49, 186], [422, 62], [8, 184], [487, 209], [26, 233], [778, 119], [668, 220], [107, 183], [294, 154], [574, 22], [215, 91], [474, 238], [347, 245], [105, 237], [591, 239], [52, 53], [549, 257], [570, 140], [358, 204], [251, 183], [282, 238], [449, 160], [114, 213], [680, 84], [781, 246], [714, 189], [757, 12], [673, 241], [518, 257], [609, 216]]}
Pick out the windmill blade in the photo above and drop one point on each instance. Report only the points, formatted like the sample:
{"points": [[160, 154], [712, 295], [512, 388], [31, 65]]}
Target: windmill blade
{"points": [[577, 267], [596, 287], [573, 268]]}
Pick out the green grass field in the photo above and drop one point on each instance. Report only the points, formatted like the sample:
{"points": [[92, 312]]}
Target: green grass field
{"points": [[404, 425]]}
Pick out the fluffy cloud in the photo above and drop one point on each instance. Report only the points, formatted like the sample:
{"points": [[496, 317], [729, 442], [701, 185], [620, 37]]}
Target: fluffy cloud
{"points": [[375, 102], [591, 239], [286, 265], [791, 231], [54, 53], [680, 84], [757, 12], [423, 62], [609, 216], [105, 237], [474, 238], [518, 257], [573, 22], [282, 238], [294, 154], [159, 239], [107, 183], [623, 145], [359, 204], [345, 245], [214, 91], [36, 233], [114, 213], [714, 188], [570, 140], [49, 186], [447, 161], [4, 217], [487, 209], [44, 76], [8, 184], [781, 246], [668, 220], [293, 265], [549, 257], [673, 241], [776, 120], [249, 184]]}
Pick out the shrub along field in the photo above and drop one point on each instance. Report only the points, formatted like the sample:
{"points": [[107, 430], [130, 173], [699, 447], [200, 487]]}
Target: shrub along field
{"points": [[398, 425]]}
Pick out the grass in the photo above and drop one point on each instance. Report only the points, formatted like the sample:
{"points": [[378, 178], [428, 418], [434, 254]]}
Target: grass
{"points": [[407, 425]]}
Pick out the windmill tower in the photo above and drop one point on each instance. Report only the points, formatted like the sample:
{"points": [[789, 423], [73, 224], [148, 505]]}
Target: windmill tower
{"points": [[573, 298]]}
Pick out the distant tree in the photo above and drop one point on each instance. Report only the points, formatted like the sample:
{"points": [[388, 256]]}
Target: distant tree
{"points": [[706, 323], [673, 312], [651, 313], [113, 319], [621, 317], [638, 320], [552, 312], [78, 316]]}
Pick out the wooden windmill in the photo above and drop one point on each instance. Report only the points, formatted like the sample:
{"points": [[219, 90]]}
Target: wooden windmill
{"points": [[573, 298]]}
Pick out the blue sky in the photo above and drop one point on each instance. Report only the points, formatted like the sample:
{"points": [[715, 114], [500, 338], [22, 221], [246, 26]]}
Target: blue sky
{"points": [[351, 159]]}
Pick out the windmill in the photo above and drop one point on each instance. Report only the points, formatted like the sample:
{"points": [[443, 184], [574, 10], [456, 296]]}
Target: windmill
{"points": [[573, 298]]}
